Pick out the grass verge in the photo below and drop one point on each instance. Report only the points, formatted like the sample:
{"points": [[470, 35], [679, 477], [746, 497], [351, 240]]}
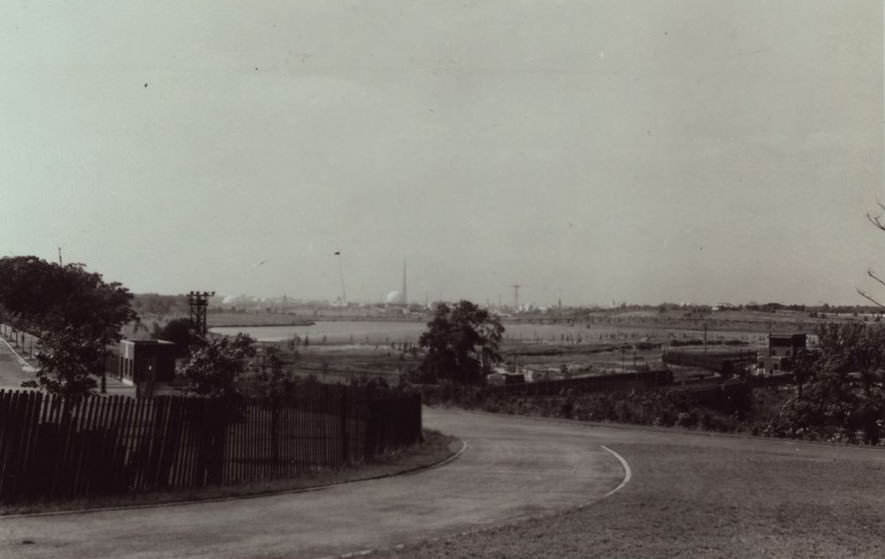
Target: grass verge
{"points": [[436, 448], [712, 498]]}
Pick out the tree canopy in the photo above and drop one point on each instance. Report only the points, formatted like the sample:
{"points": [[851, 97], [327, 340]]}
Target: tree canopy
{"points": [[462, 344], [41, 297], [181, 331], [840, 384], [214, 368], [73, 312]]}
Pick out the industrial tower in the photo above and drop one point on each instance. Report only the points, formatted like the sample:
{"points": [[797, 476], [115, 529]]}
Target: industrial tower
{"points": [[405, 294]]}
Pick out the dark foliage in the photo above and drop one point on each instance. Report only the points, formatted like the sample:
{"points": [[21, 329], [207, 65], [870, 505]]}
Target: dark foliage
{"points": [[461, 343], [181, 331], [74, 313], [214, 368]]}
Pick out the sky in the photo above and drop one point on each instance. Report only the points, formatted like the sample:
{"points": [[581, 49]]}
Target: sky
{"points": [[589, 151]]}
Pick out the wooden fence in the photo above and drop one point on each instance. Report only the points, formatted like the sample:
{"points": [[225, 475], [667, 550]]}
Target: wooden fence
{"points": [[51, 448]]}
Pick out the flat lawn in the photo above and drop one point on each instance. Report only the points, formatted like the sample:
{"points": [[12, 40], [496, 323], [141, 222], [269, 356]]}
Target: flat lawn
{"points": [[690, 499]]}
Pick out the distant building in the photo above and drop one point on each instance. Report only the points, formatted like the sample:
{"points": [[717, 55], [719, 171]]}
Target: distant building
{"points": [[786, 345], [782, 349]]}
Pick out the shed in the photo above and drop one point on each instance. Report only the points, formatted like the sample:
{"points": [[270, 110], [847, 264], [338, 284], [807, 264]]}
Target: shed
{"points": [[145, 363]]}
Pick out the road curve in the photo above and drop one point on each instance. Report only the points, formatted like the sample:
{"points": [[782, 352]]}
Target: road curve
{"points": [[513, 468]]}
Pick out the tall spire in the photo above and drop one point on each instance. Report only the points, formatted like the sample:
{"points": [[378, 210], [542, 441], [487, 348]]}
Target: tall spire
{"points": [[405, 293]]}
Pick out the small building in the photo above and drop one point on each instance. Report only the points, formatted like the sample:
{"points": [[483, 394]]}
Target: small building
{"points": [[782, 349], [786, 345], [145, 363]]}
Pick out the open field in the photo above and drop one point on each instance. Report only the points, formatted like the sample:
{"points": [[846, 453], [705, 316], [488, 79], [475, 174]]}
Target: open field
{"points": [[599, 340]]}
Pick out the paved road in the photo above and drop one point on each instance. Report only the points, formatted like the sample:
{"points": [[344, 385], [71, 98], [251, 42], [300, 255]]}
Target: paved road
{"points": [[513, 468], [11, 373], [14, 370]]}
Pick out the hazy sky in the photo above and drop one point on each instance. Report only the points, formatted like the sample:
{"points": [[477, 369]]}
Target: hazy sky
{"points": [[645, 151]]}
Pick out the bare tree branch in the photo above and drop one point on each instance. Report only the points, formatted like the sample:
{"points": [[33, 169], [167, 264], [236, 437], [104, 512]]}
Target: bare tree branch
{"points": [[877, 220], [868, 298], [875, 277]]}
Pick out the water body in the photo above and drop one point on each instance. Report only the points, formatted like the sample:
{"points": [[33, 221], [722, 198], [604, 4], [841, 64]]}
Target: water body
{"points": [[381, 332]]}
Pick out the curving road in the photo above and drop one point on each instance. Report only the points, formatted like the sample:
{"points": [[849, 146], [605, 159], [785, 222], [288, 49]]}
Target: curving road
{"points": [[512, 468], [692, 495]]}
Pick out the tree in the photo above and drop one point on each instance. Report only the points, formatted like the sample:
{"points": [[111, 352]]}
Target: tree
{"points": [[271, 379], [26, 288], [73, 312], [67, 360], [840, 385], [879, 223], [461, 342], [181, 331], [43, 296], [214, 368]]}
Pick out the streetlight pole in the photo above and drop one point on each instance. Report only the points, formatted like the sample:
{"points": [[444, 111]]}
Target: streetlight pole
{"points": [[341, 275]]}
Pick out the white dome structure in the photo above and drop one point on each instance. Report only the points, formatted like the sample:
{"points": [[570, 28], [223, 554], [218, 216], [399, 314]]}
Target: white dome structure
{"points": [[394, 297]]}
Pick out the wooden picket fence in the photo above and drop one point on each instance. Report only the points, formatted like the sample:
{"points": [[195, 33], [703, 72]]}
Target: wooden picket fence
{"points": [[54, 449]]}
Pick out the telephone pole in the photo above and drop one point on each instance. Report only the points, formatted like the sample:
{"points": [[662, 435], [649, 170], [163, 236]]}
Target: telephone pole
{"points": [[516, 287]]}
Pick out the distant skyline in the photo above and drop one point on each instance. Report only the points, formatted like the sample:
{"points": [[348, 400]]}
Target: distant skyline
{"points": [[645, 151]]}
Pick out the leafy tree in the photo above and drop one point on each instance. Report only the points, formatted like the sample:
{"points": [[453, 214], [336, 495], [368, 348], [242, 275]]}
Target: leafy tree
{"points": [[461, 342], [181, 331], [213, 369], [75, 313], [67, 360], [41, 296], [25, 290], [271, 378], [840, 386]]}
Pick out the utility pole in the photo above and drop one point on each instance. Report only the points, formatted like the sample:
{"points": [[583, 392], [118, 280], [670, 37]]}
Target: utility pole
{"points": [[341, 274], [199, 302], [59, 256], [516, 287]]}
